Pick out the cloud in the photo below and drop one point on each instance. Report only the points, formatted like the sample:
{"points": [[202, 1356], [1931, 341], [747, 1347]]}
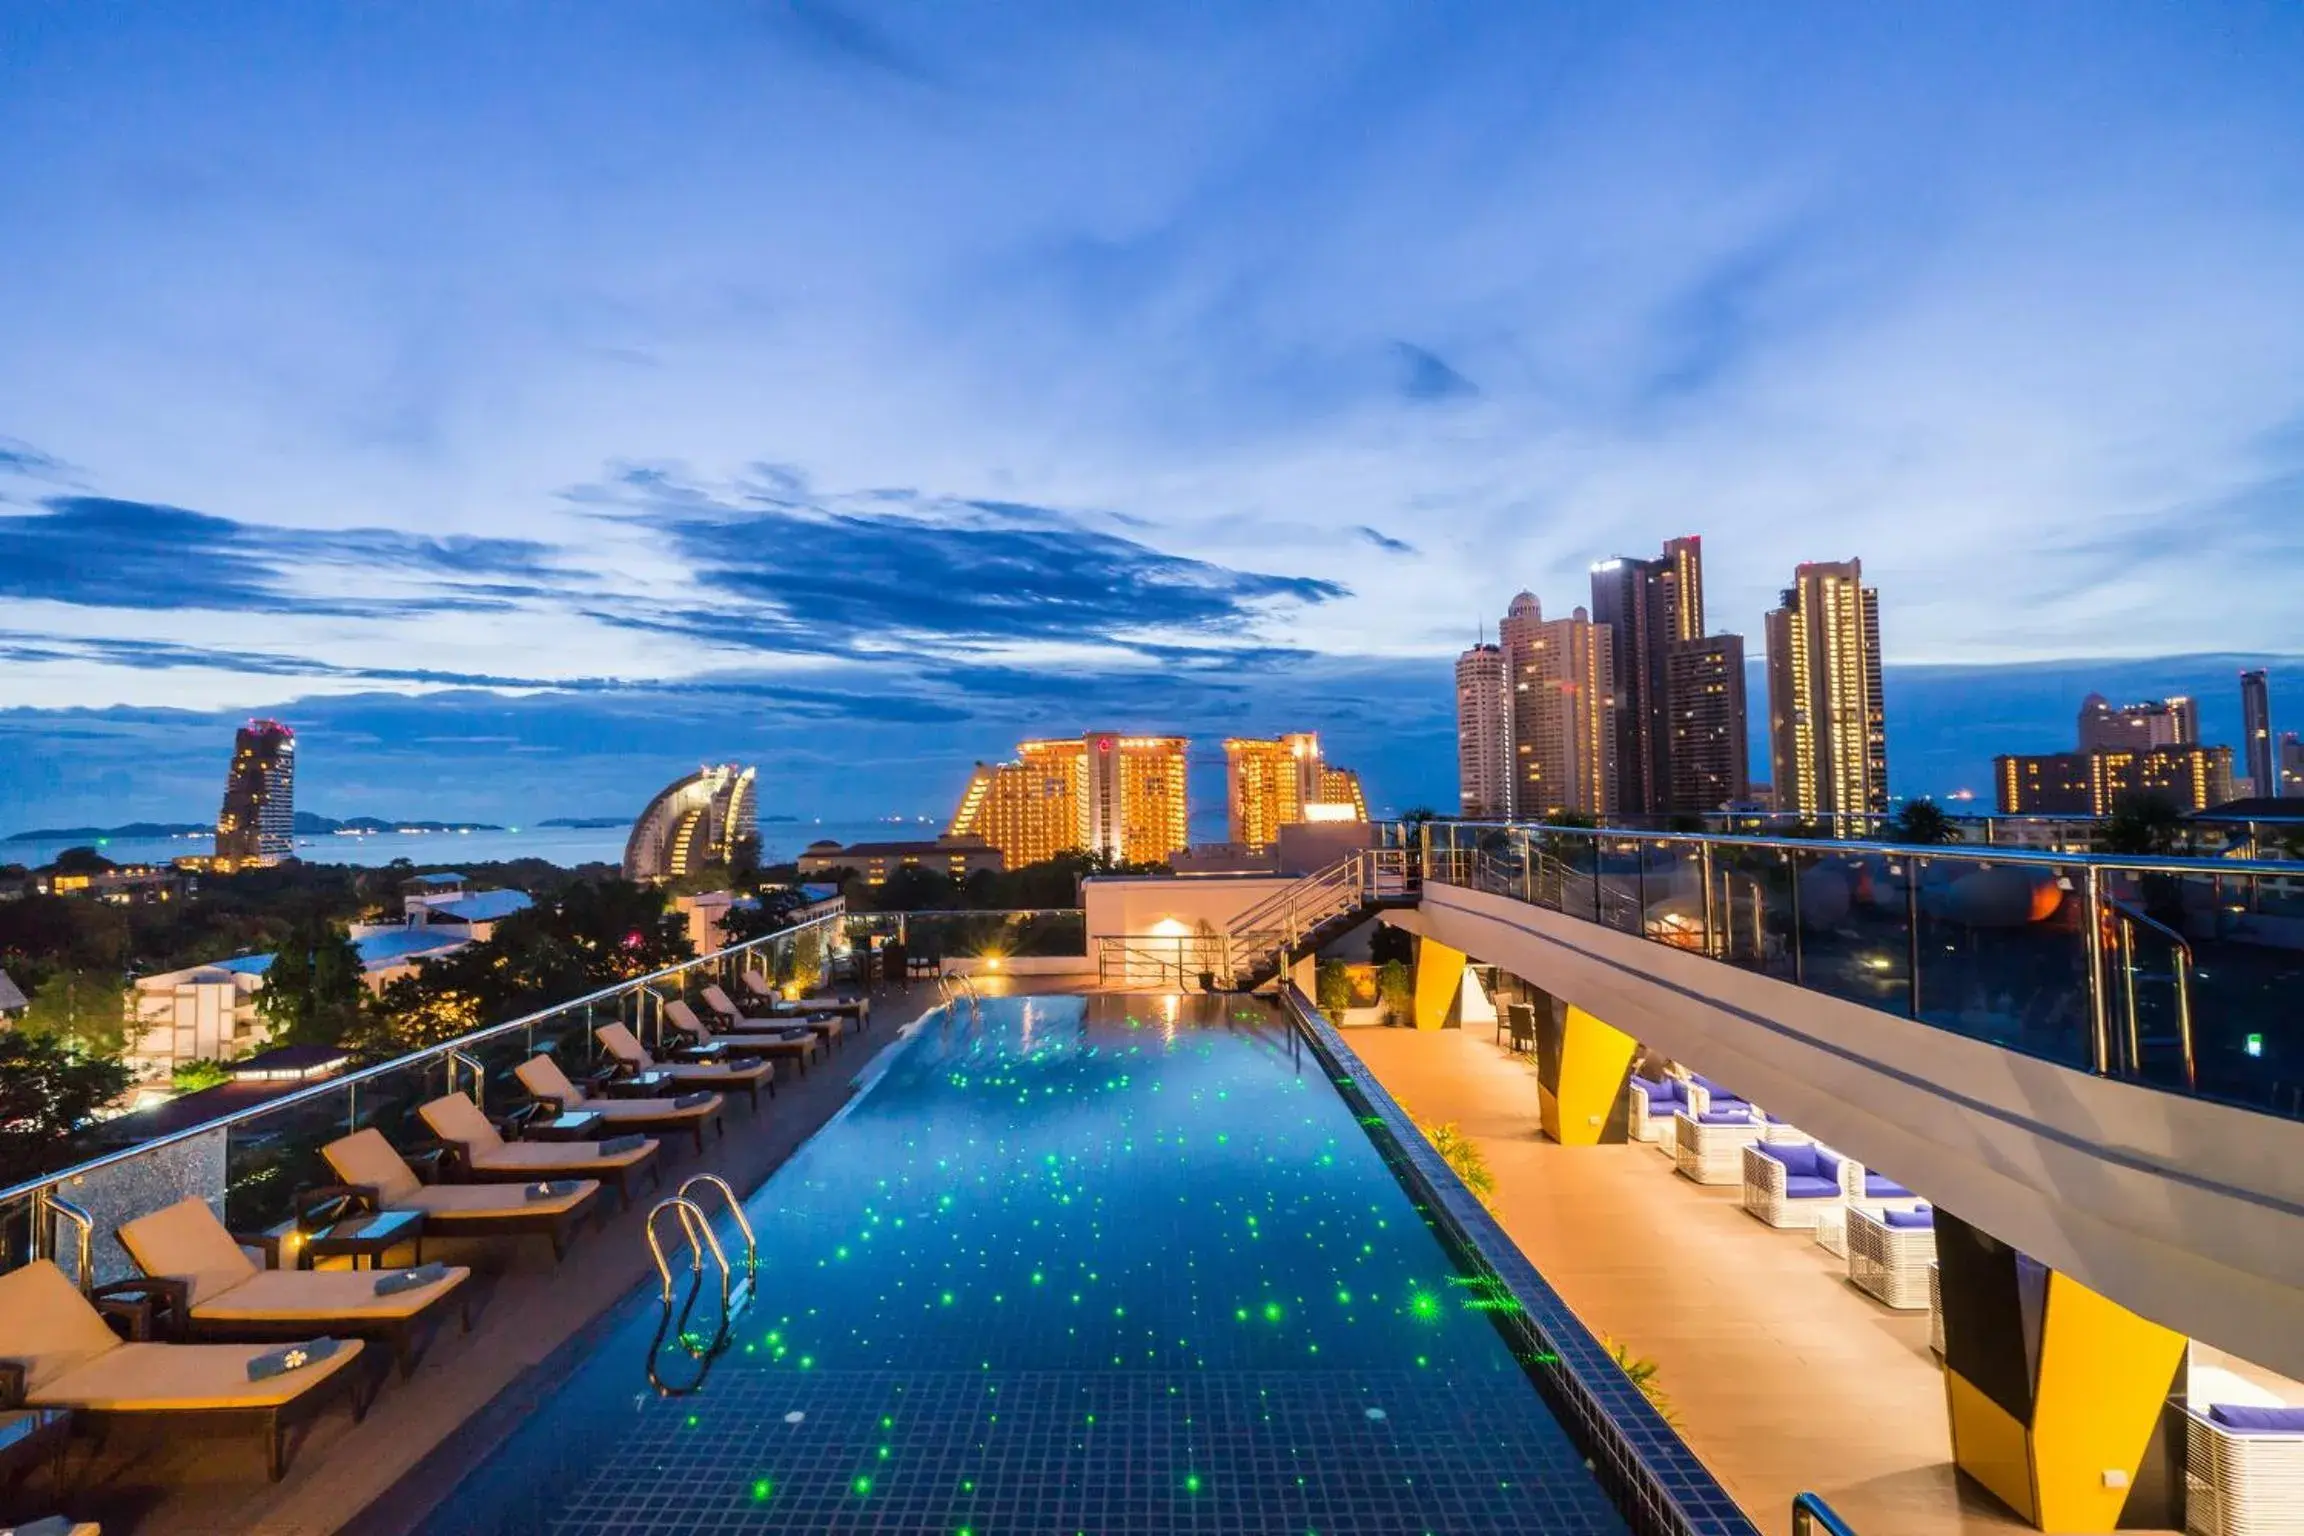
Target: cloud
{"points": [[1426, 376], [887, 571], [101, 552], [21, 458], [1384, 541]]}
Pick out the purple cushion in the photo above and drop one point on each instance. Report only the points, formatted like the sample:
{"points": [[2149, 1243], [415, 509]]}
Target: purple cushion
{"points": [[2237, 1416], [1659, 1094], [1878, 1186], [1676, 1091], [1798, 1157], [1718, 1117], [1828, 1165], [1919, 1218], [1803, 1186], [1710, 1086]]}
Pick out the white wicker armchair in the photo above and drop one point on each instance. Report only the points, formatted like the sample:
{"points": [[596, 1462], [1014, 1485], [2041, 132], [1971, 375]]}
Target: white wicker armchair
{"points": [[1780, 1187], [1711, 1151], [2241, 1482], [1888, 1262], [1936, 1311]]}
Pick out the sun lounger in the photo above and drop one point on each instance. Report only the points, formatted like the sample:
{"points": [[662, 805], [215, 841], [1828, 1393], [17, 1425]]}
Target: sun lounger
{"points": [[213, 1291], [829, 1027], [373, 1171], [624, 1048], [57, 1351], [758, 987], [796, 1045], [487, 1158], [544, 1080]]}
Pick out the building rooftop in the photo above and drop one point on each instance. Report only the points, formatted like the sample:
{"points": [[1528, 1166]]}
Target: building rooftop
{"points": [[483, 906], [432, 882], [377, 950]]}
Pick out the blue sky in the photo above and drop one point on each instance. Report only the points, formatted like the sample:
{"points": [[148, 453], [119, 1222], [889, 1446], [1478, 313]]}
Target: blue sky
{"points": [[529, 400]]}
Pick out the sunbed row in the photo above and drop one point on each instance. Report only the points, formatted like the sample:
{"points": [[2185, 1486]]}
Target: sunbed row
{"points": [[204, 1335]]}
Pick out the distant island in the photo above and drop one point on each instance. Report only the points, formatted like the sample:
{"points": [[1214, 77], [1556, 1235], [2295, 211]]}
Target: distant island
{"points": [[306, 825], [586, 823]]}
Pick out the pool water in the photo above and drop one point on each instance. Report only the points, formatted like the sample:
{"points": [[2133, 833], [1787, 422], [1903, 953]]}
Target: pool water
{"points": [[1071, 1264]]}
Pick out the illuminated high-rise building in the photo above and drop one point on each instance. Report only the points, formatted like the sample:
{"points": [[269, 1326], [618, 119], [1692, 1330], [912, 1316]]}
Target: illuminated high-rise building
{"points": [[1649, 606], [1827, 722], [1278, 782], [1105, 793], [1562, 677], [1483, 733], [258, 822], [2256, 732], [693, 822], [1706, 751], [2107, 727]]}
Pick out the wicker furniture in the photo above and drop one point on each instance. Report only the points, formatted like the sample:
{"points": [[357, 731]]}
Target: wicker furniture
{"points": [[1783, 1185], [2243, 1471], [378, 1178], [1889, 1255], [547, 1084], [1709, 1148], [485, 1157], [1832, 1229], [1936, 1310]]}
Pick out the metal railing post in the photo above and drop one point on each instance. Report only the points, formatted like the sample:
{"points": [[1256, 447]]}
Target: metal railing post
{"points": [[2099, 1014], [1912, 935], [1713, 949]]}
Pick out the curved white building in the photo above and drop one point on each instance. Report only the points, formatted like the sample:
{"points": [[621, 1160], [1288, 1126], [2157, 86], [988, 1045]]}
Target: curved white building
{"points": [[692, 822]]}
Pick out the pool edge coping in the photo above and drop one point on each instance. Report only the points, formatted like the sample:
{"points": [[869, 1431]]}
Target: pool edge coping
{"points": [[1659, 1484]]}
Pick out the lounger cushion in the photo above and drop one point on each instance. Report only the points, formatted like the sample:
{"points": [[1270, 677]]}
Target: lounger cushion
{"points": [[320, 1296], [445, 1204], [1903, 1219], [2239, 1416], [1878, 1186], [1798, 1158], [453, 1117], [137, 1378], [620, 1043], [652, 1109], [47, 1326], [541, 1076], [365, 1157], [534, 1156], [1801, 1186], [185, 1241]]}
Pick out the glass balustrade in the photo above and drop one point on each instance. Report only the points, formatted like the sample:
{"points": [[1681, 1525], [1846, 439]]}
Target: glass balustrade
{"points": [[2180, 974]]}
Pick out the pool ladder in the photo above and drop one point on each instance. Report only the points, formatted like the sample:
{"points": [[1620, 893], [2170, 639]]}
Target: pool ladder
{"points": [[953, 986], [696, 1231], [1811, 1516]]}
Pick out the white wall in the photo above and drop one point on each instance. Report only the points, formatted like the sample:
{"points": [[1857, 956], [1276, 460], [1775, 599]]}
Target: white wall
{"points": [[1020, 965], [2189, 1213], [1134, 906]]}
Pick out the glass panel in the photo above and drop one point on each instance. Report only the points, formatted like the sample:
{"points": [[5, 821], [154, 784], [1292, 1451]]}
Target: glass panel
{"points": [[269, 1157], [2244, 971], [388, 1101], [1619, 883], [2003, 955], [1672, 894], [1753, 917], [1855, 936]]}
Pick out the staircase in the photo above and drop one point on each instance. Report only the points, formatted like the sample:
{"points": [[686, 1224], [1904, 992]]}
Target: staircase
{"points": [[1260, 943]]}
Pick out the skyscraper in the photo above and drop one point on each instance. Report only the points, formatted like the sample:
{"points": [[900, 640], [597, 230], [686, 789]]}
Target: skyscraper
{"points": [[1278, 782], [1483, 733], [1649, 607], [258, 822], [2095, 783], [1564, 738], [1704, 712], [694, 821], [2256, 731], [1106, 793], [2106, 727], [1827, 724]]}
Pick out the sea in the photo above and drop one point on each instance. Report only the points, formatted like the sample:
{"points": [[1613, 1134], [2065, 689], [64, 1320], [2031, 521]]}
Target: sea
{"points": [[780, 843]]}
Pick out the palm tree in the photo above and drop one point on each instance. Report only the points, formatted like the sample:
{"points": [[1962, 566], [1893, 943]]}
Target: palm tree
{"points": [[1921, 821]]}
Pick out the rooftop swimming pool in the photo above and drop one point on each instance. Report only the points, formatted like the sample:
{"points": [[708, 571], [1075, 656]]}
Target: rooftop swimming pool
{"points": [[1096, 1264]]}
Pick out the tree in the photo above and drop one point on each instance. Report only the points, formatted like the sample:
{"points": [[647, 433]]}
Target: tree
{"points": [[2143, 822], [1333, 983], [312, 991], [83, 1009], [744, 861], [81, 861], [1921, 821], [1396, 986], [49, 1094]]}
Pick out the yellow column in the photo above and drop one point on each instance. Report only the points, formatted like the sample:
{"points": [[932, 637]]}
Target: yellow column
{"points": [[1581, 1070], [1439, 981]]}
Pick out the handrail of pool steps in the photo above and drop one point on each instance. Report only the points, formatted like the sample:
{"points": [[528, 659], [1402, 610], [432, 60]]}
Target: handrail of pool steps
{"points": [[1811, 1514], [38, 1187]]}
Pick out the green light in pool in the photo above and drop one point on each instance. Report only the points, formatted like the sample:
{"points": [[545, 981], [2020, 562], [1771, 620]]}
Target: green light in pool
{"points": [[762, 1488], [1424, 1306], [862, 1486], [1191, 1482], [1272, 1312]]}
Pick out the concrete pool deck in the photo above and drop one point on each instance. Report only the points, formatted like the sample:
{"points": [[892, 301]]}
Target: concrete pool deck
{"points": [[1782, 1376]]}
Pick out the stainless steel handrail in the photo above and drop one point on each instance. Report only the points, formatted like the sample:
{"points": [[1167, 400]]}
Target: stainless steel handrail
{"points": [[1811, 1514], [471, 1063], [33, 1187], [743, 1226], [2180, 948], [699, 1236], [51, 1208], [1987, 853]]}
